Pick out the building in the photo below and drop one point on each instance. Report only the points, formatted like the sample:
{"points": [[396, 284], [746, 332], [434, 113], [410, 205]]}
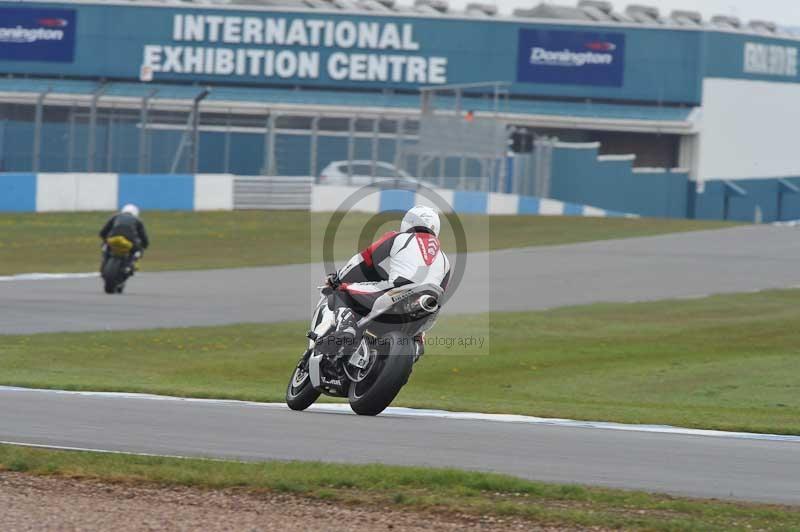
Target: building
{"points": [[655, 114]]}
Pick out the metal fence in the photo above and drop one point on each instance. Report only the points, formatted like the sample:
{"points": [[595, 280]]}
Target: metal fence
{"points": [[272, 193], [156, 136]]}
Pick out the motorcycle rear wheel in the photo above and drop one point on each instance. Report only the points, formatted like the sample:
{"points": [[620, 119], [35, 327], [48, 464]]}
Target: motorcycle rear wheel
{"points": [[110, 287], [392, 369], [111, 274], [300, 394]]}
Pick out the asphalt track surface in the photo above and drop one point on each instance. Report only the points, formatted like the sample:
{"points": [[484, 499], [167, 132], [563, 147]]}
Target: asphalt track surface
{"points": [[697, 466], [683, 265], [670, 266]]}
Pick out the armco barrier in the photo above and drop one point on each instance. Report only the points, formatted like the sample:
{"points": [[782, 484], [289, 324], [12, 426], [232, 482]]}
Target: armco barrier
{"points": [[108, 192], [272, 193]]}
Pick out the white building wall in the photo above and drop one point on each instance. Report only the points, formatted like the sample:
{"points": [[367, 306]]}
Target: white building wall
{"points": [[749, 130]]}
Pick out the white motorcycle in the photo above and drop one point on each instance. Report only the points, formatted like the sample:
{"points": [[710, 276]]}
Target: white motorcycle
{"points": [[372, 374]]}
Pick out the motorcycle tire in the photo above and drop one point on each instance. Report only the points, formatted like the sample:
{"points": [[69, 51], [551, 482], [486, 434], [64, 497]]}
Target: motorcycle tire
{"points": [[300, 396], [110, 287], [110, 274], [396, 366]]}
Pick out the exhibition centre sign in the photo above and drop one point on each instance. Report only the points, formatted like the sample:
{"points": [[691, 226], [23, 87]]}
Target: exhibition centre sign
{"points": [[284, 47]]}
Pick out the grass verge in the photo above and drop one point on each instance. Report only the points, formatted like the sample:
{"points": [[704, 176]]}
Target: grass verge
{"points": [[726, 362], [53, 242], [415, 489]]}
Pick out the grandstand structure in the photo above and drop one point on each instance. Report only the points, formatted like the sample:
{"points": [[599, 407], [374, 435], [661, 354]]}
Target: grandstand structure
{"points": [[290, 86]]}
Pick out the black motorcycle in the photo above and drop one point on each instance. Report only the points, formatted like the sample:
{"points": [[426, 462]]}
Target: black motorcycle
{"points": [[372, 375], [118, 265]]}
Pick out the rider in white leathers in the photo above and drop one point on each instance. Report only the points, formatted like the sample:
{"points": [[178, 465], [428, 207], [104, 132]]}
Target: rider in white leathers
{"points": [[412, 256]]}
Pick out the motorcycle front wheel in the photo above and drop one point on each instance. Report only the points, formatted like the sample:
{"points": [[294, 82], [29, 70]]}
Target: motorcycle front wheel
{"points": [[300, 394], [387, 375]]}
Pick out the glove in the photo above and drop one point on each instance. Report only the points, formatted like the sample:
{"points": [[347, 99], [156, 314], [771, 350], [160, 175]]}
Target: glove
{"points": [[333, 280]]}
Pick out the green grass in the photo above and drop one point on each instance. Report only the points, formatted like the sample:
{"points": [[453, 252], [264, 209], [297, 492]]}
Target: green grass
{"points": [[50, 242], [727, 362], [409, 488]]}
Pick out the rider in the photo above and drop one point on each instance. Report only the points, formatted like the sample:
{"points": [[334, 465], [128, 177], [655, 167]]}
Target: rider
{"points": [[127, 224], [412, 256]]}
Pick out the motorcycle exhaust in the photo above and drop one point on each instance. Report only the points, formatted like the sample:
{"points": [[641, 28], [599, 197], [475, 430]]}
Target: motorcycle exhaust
{"points": [[428, 303]]}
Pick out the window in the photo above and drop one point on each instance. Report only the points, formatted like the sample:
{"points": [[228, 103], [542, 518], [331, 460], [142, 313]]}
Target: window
{"points": [[362, 169], [385, 171]]}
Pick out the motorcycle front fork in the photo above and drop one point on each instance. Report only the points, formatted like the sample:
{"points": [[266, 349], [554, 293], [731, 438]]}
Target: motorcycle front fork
{"points": [[304, 359]]}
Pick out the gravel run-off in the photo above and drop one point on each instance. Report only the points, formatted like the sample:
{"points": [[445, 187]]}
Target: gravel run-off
{"points": [[42, 503]]}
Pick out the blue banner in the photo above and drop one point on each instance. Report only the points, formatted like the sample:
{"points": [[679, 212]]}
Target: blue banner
{"points": [[571, 57], [321, 49], [37, 34]]}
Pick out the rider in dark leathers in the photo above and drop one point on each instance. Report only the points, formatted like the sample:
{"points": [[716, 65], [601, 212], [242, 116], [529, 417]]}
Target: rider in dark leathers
{"points": [[126, 223]]}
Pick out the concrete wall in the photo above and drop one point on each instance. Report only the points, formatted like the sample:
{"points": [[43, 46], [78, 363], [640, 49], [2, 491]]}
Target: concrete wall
{"points": [[327, 199], [766, 200], [108, 192], [580, 176], [614, 190], [76, 192]]}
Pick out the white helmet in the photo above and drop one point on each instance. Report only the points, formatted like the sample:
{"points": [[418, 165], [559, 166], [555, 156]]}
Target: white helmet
{"points": [[131, 209], [421, 216]]}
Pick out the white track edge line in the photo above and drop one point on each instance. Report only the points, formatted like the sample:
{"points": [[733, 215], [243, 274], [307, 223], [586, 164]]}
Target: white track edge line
{"points": [[47, 276], [91, 450], [113, 451], [438, 414]]}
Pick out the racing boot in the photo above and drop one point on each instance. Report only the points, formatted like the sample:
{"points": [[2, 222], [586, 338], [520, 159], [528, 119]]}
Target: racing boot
{"points": [[345, 339]]}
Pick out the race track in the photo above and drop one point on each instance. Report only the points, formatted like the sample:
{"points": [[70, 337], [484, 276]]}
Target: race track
{"points": [[698, 466], [669, 266]]}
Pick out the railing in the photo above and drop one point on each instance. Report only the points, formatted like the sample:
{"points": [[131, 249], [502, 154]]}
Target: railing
{"points": [[272, 193]]}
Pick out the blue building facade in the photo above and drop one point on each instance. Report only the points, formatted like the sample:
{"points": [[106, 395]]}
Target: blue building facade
{"points": [[76, 74]]}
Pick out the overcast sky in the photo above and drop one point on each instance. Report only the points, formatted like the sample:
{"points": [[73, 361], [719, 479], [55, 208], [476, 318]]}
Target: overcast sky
{"points": [[783, 12]]}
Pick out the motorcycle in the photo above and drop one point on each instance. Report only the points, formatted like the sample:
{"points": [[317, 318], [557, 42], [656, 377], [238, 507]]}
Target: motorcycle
{"points": [[370, 376], [118, 266]]}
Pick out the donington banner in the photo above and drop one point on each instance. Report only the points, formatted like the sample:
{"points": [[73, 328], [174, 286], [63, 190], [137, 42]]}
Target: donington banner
{"points": [[573, 57], [37, 34]]}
